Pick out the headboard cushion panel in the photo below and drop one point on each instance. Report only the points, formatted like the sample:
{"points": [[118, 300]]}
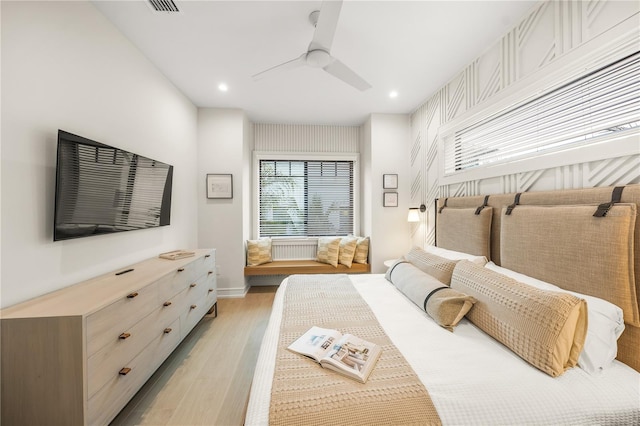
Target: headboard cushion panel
{"points": [[569, 247], [629, 342], [464, 230]]}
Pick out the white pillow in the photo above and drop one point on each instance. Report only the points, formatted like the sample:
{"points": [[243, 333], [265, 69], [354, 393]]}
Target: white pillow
{"points": [[455, 255], [605, 323]]}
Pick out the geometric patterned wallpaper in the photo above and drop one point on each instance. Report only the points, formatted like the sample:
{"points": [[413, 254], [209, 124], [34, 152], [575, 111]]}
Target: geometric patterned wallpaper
{"points": [[547, 32]]}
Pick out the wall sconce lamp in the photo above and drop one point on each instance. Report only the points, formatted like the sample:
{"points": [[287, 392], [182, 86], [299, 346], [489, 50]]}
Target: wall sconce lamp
{"points": [[414, 213]]}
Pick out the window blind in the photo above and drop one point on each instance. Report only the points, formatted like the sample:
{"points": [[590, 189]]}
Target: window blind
{"points": [[306, 198], [581, 112]]}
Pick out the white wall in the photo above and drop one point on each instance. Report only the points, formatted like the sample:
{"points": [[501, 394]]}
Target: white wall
{"points": [[66, 67], [222, 148], [388, 146], [556, 40]]}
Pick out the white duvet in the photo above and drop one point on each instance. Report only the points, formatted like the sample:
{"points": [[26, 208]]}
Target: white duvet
{"points": [[471, 378]]}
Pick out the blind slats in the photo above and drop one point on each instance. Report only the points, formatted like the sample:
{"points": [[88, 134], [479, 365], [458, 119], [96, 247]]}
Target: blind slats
{"points": [[306, 198], [603, 102]]}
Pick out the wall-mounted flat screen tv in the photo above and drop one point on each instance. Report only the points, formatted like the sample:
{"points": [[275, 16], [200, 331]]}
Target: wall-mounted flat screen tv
{"points": [[101, 189]]}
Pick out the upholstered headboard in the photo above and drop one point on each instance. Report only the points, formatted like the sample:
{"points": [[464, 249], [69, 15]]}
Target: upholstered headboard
{"points": [[554, 236]]}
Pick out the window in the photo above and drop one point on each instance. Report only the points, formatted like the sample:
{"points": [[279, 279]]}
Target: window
{"points": [[305, 197], [582, 112]]}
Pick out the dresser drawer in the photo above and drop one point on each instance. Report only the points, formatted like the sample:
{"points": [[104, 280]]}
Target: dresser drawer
{"points": [[205, 263], [105, 325], [127, 343], [118, 389], [198, 304], [177, 280]]}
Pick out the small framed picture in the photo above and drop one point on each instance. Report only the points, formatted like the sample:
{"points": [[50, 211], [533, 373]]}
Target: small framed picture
{"points": [[219, 186], [390, 199], [389, 181]]}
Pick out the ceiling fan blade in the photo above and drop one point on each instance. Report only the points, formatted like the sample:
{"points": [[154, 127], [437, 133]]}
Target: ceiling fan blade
{"points": [[346, 74], [294, 63], [326, 25]]}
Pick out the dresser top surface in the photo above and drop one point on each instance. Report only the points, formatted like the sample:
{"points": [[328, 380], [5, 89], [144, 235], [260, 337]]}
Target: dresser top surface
{"points": [[86, 297]]}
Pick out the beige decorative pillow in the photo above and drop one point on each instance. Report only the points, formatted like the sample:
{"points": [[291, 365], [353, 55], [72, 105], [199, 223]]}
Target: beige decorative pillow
{"points": [[362, 250], [436, 266], [569, 247], [328, 249], [464, 230], [259, 251], [545, 328], [347, 250], [445, 305]]}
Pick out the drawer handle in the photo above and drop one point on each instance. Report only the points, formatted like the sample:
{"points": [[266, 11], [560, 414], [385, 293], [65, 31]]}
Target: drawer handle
{"points": [[192, 285], [166, 304], [125, 336], [167, 330], [181, 269], [194, 306], [207, 255], [124, 371], [210, 272], [210, 290], [132, 295]]}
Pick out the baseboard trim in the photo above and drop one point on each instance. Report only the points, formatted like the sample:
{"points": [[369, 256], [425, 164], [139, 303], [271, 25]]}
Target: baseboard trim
{"points": [[229, 293]]}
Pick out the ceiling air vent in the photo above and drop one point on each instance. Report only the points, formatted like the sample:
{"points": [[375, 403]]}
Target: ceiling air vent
{"points": [[163, 5]]}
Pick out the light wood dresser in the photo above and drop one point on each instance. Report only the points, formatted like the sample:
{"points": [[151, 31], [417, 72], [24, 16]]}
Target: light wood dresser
{"points": [[76, 356]]}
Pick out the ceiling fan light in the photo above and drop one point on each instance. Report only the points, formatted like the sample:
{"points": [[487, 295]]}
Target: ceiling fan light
{"points": [[318, 58]]}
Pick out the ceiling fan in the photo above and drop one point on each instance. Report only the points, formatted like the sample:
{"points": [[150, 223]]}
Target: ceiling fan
{"points": [[318, 53]]}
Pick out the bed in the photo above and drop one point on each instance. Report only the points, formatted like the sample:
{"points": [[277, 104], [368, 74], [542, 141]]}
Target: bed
{"points": [[471, 377]]}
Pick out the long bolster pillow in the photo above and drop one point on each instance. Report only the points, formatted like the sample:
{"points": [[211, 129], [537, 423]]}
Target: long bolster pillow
{"points": [[446, 306], [545, 328]]}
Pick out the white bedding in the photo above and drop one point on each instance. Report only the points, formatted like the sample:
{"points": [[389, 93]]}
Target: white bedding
{"points": [[471, 378]]}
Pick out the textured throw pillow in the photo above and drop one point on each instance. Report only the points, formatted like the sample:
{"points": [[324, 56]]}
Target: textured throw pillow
{"points": [[259, 251], [347, 250], [362, 250], [445, 305], [546, 329], [328, 249], [436, 266], [605, 323]]}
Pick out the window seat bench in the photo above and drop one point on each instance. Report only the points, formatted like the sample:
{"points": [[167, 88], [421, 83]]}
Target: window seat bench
{"points": [[303, 266]]}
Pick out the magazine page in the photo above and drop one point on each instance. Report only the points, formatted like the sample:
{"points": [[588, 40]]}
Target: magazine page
{"points": [[316, 342], [353, 357]]}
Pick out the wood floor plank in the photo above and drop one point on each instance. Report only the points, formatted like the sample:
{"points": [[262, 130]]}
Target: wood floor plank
{"points": [[206, 381]]}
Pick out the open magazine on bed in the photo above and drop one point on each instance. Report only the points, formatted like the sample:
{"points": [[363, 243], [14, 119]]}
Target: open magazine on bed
{"points": [[345, 353]]}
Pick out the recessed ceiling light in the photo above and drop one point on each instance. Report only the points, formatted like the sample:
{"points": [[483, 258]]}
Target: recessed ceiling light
{"points": [[223, 87], [393, 94]]}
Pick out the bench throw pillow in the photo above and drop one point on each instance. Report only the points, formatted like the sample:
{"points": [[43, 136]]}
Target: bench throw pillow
{"points": [[545, 328], [328, 250], [347, 250], [445, 305], [259, 251], [362, 250], [434, 265]]}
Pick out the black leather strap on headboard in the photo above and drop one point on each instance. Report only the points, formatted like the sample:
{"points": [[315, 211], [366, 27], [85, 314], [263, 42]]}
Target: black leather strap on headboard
{"points": [[516, 201], [485, 204], [444, 205], [603, 208]]}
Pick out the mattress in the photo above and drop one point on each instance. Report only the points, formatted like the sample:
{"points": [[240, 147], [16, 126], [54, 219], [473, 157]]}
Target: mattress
{"points": [[471, 378]]}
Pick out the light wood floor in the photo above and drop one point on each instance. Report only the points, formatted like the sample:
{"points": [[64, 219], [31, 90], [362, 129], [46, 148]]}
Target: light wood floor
{"points": [[206, 381]]}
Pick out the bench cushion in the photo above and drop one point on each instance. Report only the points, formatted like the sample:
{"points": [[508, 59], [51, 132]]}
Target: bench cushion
{"points": [[289, 267]]}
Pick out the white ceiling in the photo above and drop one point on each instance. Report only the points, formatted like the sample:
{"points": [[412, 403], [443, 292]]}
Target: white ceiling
{"points": [[413, 47]]}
